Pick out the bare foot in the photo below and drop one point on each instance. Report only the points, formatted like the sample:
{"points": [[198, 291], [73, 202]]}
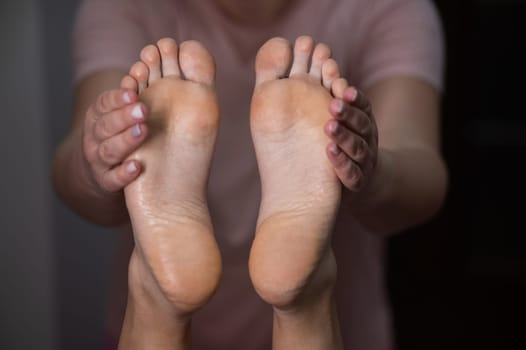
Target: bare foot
{"points": [[167, 202], [291, 254]]}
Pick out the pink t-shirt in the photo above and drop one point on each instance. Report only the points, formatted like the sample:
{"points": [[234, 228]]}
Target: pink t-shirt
{"points": [[370, 39]]}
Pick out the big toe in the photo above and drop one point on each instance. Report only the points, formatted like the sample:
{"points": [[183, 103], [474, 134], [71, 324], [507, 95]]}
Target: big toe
{"points": [[197, 64], [273, 60]]}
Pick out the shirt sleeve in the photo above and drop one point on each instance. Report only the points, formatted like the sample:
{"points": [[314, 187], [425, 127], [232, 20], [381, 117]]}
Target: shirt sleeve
{"points": [[106, 34], [403, 38]]}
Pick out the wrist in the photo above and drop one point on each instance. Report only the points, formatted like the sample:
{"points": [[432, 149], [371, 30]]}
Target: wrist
{"points": [[78, 188]]}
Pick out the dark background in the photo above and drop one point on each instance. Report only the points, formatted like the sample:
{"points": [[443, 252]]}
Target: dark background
{"points": [[457, 282]]}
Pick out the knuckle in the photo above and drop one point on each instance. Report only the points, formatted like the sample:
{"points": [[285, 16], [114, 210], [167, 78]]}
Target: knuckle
{"points": [[341, 160], [362, 123], [101, 128], [90, 151], [101, 103], [342, 163], [91, 115], [107, 153], [359, 148], [352, 175]]}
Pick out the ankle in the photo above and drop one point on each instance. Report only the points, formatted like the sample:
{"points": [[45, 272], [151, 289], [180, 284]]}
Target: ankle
{"points": [[143, 291]]}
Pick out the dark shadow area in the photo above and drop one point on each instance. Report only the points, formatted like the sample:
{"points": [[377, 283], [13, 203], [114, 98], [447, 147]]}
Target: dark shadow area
{"points": [[84, 250], [459, 281]]}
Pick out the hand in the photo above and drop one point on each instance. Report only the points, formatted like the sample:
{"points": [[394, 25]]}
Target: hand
{"points": [[114, 127], [353, 148]]}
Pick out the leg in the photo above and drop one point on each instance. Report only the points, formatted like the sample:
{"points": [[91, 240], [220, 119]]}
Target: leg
{"points": [[291, 262], [175, 266]]}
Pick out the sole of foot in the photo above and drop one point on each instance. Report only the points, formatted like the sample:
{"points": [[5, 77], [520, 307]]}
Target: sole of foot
{"points": [[167, 202], [291, 255]]}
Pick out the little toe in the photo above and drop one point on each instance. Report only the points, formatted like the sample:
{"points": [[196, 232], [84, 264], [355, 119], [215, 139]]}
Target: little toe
{"points": [[129, 82], [140, 72], [273, 60], [302, 53], [169, 60]]}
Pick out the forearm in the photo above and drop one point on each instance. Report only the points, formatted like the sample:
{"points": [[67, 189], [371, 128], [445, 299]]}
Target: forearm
{"points": [[79, 192], [408, 188]]}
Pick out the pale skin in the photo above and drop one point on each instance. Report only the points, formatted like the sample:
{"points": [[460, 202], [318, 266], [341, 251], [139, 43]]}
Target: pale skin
{"points": [[176, 265], [389, 164], [406, 185]]}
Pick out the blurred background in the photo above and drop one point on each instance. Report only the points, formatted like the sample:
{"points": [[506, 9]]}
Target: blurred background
{"points": [[457, 282]]}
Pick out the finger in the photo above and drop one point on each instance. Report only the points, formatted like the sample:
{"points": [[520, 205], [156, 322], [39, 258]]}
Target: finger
{"points": [[349, 173], [353, 145], [119, 177], [117, 121], [352, 117], [114, 99], [358, 99], [115, 149]]}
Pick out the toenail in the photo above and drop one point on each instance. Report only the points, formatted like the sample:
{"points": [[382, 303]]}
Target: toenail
{"points": [[137, 113], [136, 131], [351, 94], [339, 105], [126, 97], [131, 167]]}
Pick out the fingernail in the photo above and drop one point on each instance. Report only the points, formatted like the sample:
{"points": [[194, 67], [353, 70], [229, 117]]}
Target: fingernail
{"points": [[339, 106], [351, 94], [126, 97], [136, 112], [136, 130], [131, 167]]}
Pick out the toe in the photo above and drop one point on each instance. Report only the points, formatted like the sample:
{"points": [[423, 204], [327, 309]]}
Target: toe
{"points": [[129, 82], [338, 87], [139, 71], [329, 72], [169, 59], [320, 55], [150, 56], [197, 64], [273, 60], [302, 53]]}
